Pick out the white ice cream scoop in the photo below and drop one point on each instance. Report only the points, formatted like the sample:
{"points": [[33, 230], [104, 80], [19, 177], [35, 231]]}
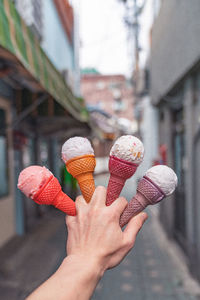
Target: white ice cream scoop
{"points": [[128, 148], [78, 155], [164, 177], [76, 146]]}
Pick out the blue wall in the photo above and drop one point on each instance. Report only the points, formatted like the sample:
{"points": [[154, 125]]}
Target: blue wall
{"points": [[55, 41]]}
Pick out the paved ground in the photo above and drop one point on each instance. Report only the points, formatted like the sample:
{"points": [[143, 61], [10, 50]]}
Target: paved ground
{"points": [[155, 269], [27, 262], [149, 272]]}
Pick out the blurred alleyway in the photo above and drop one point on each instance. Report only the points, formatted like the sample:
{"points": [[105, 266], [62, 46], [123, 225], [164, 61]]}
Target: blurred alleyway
{"points": [[154, 269]]}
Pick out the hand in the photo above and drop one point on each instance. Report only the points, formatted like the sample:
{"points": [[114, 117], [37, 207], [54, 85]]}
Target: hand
{"points": [[95, 243], [94, 233]]}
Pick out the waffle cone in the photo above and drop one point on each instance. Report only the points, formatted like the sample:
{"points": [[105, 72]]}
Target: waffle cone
{"points": [[134, 207], [82, 168], [115, 186], [51, 194], [120, 171], [147, 194]]}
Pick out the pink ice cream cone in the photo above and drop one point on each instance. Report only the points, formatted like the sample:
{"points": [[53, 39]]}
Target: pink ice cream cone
{"points": [[120, 170], [159, 182], [39, 184], [125, 156]]}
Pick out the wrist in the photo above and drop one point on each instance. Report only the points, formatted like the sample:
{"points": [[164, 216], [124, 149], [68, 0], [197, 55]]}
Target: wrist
{"points": [[76, 278], [90, 266]]}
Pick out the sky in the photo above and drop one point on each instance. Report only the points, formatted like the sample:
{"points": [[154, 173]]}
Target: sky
{"points": [[103, 35]]}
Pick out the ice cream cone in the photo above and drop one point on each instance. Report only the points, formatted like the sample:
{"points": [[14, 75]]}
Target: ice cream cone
{"points": [[39, 184], [78, 155], [52, 194], [125, 156], [147, 194], [82, 168], [158, 182], [120, 170]]}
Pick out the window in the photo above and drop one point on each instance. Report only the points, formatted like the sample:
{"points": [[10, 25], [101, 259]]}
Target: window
{"points": [[3, 155], [119, 105], [100, 85]]}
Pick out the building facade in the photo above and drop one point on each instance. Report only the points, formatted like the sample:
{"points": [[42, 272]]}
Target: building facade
{"points": [[110, 93], [109, 98], [7, 192], [38, 109], [175, 91]]}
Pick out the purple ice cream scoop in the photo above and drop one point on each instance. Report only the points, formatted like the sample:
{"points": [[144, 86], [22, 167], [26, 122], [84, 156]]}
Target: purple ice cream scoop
{"points": [[158, 182]]}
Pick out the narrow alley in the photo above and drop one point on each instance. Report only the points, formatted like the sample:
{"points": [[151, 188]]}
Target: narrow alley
{"points": [[91, 87], [154, 269]]}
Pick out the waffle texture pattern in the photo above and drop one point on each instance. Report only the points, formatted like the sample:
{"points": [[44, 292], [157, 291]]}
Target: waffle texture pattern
{"points": [[51, 194], [120, 170], [147, 193], [82, 168]]}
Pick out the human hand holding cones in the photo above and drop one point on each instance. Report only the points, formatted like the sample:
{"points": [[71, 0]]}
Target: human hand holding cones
{"points": [[125, 156], [78, 155], [158, 182], [39, 184]]}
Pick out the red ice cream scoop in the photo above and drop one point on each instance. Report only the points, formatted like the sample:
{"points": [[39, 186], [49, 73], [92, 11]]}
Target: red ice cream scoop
{"points": [[39, 184]]}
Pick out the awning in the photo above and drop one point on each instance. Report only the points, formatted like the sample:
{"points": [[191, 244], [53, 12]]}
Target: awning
{"points": [[21, 50]]}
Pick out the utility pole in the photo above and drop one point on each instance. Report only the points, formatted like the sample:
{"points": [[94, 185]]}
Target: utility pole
{"points": [[132, 22], [134, 10], [136, 65], [136, 34]]}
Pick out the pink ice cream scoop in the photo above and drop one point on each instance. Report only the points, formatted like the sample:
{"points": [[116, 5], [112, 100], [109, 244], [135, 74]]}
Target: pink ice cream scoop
{"points": [[125, 156], [159, 181], [39, 184]]}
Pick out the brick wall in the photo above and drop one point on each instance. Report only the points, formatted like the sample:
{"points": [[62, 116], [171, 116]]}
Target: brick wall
{"points": [[101, 91]]}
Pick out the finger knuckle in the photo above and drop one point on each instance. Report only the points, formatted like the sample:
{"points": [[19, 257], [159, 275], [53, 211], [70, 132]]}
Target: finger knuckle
{"points": [[94, 212], [90, 214], [139, 223], [129, 244], [100, 188], [106, 214], [114, 214], [79, 198], [122, 199], [121, 202], [69, 221]]}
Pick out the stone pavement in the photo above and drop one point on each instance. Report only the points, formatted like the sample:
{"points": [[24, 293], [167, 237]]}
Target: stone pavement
{"points": [[25, 262], [154, 269], [151, 271]]}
